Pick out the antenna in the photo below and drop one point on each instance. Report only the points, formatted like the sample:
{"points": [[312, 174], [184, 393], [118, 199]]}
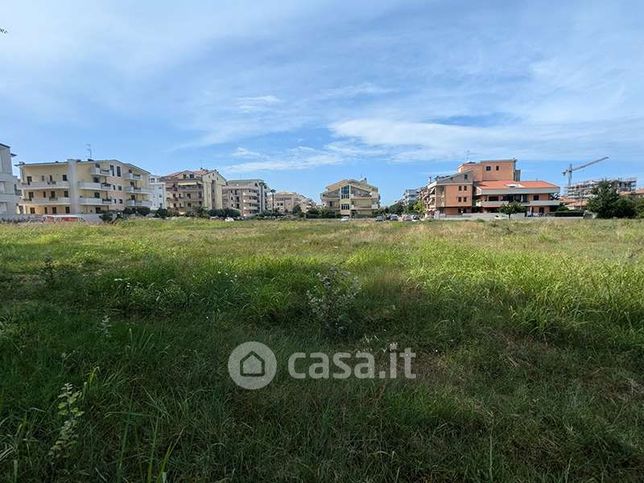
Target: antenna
{"points": [[467, 156], [89, 150]]}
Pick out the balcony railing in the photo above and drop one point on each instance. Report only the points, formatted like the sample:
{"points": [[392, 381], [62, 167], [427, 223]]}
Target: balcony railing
{"points": [[94, 186], [45, 184], [56, 200]]}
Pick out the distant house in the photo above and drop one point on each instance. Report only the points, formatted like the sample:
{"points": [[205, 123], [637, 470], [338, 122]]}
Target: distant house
{"points": [[484, 187]]}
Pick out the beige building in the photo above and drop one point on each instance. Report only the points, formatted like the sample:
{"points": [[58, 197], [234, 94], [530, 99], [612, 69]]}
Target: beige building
{"points": [[8, 183], [83, 187], [213, 184], [286, 201], [248, 196], [351, 197], [184, 190]]}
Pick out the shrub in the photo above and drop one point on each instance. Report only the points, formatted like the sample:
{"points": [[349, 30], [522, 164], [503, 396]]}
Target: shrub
{"points": [[332, 301], [142, 210], [161, 213]]}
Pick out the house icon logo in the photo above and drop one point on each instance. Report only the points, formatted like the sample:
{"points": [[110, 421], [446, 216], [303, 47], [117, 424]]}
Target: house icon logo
{"points": [[252, 365]]}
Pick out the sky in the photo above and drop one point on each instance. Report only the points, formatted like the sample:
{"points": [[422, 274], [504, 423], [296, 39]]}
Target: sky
{"points": [[304, 93]]}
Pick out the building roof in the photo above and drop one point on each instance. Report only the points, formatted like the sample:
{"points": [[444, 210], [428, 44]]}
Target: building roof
{"points": [[508, 184], [361, 182], [198, 172]]}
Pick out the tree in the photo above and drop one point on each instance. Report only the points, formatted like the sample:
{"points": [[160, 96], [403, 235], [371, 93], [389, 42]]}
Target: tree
{"points": [[297, 209], [512, 208], [639, 208], [161, 213], [418, 207], [562, 207], [604, 200], [106, 217], [142, 210], [396, 208], [625, 208]]}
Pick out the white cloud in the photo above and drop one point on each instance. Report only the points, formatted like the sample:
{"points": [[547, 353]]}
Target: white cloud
{"points": [[258, 103], [300, 158]]}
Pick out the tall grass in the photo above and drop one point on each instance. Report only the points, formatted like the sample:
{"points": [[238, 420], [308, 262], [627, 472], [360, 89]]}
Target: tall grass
{"points": [[530, 342]]}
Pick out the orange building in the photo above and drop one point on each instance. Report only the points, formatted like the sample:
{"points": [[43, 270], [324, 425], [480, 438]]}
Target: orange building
{"points": [[484, 187]]}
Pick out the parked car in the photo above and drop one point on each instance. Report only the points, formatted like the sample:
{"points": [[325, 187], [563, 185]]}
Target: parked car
{"points": [[407, 218], [345, 218], [380, 218], [394, 218]]}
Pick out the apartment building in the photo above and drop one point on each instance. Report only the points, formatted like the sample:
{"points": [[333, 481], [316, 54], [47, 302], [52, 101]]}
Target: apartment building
{"points": [[83, 187], [213, 184], [184, 190], [158, 197], [350, 197], [577, 194], [484, 187], [9, 194], [410, 196], [286, 201], [248, 196]]}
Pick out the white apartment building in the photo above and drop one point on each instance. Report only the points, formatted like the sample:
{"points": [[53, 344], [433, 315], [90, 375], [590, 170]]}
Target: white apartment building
{"points": [[248, 196], [83, 187], [8, 183], [410, 197], [158, 197]]}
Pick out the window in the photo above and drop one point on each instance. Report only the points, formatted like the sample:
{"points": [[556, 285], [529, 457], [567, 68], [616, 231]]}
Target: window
{"points": [[459, 199], [497, 168], [460, 188], [46, 210], [344, 207], [29, 179], [64, 177], [32, 211], [67, 210], [465, 188], [97, 195], [53, 194], [120, 201], [53, 210], [118, 171], [493, 198], [465, 177], [31, 195], [488, 168], [95, 179], [99, 209], [535, 197], [465, 199]]}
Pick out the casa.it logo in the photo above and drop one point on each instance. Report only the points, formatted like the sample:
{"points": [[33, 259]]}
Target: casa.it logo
{"points": [[252, 365]]}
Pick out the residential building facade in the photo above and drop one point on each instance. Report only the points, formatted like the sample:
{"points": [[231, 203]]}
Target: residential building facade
{"points": [[577, 194], [484, 187], [410, 197], [184, 190], [8, 183], [158, 197], [213, 184], [352, 198], [83, 187], [286, 201], [248, 196]]}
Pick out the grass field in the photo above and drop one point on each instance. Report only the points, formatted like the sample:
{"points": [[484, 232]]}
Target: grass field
{"points": [[529, 340]]}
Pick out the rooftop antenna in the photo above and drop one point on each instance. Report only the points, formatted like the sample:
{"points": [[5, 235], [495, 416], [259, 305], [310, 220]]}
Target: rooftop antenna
{"points": [[467, 156], [89, 150]]}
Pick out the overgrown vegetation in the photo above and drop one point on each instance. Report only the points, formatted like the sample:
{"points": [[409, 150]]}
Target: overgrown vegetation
{"points": [[529, 338]]}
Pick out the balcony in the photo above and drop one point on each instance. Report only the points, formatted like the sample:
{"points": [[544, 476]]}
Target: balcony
{"points": [[94, 186], [498, 204], [94, 201], [136, 190], [99, 171], [45, 185], [8, 197], [134, 203], [56, 200], [133, 176]]}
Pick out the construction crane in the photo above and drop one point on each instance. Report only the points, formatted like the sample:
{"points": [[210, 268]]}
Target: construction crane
{"points": [[569, 170]]}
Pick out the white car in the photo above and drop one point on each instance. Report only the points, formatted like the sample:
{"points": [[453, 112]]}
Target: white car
{"points": [[345, 218]]}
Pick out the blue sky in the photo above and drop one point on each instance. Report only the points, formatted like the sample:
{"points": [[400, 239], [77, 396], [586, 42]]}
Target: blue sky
{"points": [[302, 93]]}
